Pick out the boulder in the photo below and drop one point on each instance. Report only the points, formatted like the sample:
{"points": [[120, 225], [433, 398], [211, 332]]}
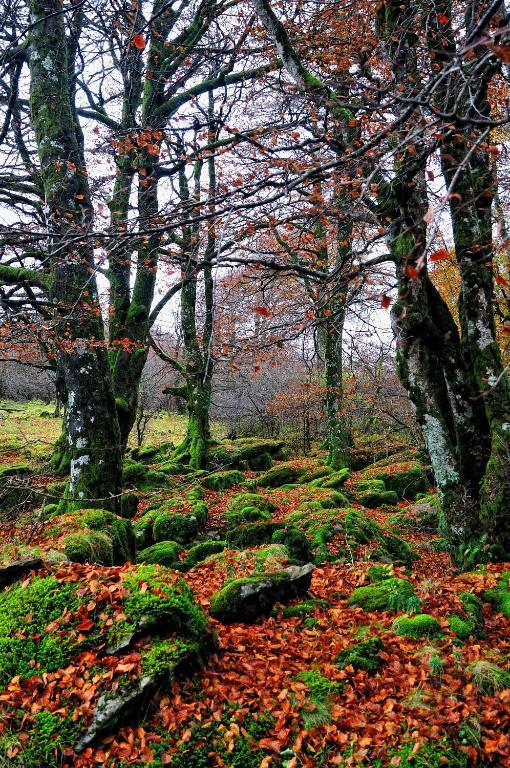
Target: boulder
{"points": [[247, 599], [17, 570]]}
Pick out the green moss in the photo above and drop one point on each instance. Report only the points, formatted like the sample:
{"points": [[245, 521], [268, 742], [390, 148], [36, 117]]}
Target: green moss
{"points": [[417, 627], [317, 708], [297, 543], [26, 648], [43, 743], [252, 534], [499, 597], [395, 549], [134, 473], [302, 609], [335, 480], [166, 525], [372, 499], [200, 552], [221, 481], [196, 493], [238, 501], [118, 529], [358, 528], [379, 573], [164, 656], [472, 621], [279, 475], [89, 547], [161, 603], [163, 553], [246, 515], [407, 479], [390, 594], [260, 463], [362, 656]]}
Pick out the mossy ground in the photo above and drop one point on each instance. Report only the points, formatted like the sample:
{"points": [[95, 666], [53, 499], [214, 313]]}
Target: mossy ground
{"points": [[251, 702]]}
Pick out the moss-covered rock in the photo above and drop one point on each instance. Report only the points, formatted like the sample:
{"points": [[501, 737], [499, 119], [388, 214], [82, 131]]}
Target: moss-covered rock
{"points": [[389, 595], [25, 611], [221, 481], [166, 524], [297, 543], [260, 463], [252, 534], [163, 553], [499, 597], [300, 610], [471, 622], [406, 478], [364, 655], [372, 499], [118, 529], [246, 515], [395, 550], [99, 537], [421, 625], [249, 598], [199, 553], [134, 473], [89, 547], [279, 475], [335, 480], [240, 500]]}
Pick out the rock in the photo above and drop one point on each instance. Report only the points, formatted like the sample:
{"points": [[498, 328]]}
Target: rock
{"points": [[113, 708], [16, 570], [246, 599]]}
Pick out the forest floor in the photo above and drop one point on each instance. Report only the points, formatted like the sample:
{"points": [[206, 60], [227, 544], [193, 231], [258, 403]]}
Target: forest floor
{"points": [[278, 692]]}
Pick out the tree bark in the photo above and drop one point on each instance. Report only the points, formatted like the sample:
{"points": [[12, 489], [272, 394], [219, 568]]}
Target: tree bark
{"points": [[92, 427]]}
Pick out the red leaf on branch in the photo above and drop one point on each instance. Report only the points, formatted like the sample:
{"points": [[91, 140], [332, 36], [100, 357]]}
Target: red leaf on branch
{"points": [[262, 311], [500, 280], [442, 19], [412, 272], [139, 42], [385, 301]]}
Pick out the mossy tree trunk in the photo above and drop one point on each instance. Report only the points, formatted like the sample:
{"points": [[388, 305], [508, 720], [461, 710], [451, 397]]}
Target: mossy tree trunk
{"points": [[468, 170], [430, 357], [82, 364]]}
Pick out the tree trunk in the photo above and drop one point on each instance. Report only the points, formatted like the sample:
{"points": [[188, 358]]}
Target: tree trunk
{"points": [[338, 438], [92, 427]]}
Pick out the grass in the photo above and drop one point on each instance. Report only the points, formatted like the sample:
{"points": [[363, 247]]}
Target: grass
{"points": [[30, 429]]}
